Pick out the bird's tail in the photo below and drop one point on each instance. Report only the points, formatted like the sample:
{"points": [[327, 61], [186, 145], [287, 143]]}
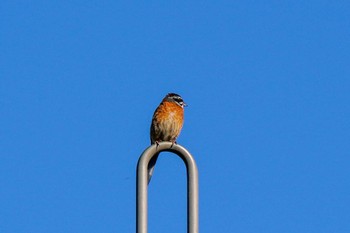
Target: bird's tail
{"points": [[151, 166]]}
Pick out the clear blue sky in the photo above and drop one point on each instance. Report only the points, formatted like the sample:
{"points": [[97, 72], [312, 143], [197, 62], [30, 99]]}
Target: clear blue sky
{"points": [[268, 89]]}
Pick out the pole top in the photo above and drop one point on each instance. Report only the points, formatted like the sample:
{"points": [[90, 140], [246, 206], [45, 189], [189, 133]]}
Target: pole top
{"points": [[153, 149]]}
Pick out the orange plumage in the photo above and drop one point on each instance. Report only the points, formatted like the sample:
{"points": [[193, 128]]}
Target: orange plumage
{"points": [[167, 122]]}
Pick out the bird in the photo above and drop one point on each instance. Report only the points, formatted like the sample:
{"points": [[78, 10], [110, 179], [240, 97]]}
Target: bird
{"points": [[166, 125]]}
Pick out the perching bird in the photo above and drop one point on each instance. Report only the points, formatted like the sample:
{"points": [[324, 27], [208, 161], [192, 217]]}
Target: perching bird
{"points": [[166, 124]]}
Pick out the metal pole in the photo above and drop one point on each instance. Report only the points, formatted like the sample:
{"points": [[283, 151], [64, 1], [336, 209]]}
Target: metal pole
{"points": [[142, 183]]}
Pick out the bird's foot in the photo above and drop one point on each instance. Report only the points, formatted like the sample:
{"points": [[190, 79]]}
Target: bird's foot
{"points": [[157, 144], [172, 143]]}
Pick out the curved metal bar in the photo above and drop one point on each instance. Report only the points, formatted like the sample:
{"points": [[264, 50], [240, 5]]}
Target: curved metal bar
{"points": [[142, 183]]}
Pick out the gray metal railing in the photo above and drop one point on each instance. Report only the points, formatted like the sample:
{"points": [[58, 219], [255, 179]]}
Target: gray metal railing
{"points": [[142, 185]]}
